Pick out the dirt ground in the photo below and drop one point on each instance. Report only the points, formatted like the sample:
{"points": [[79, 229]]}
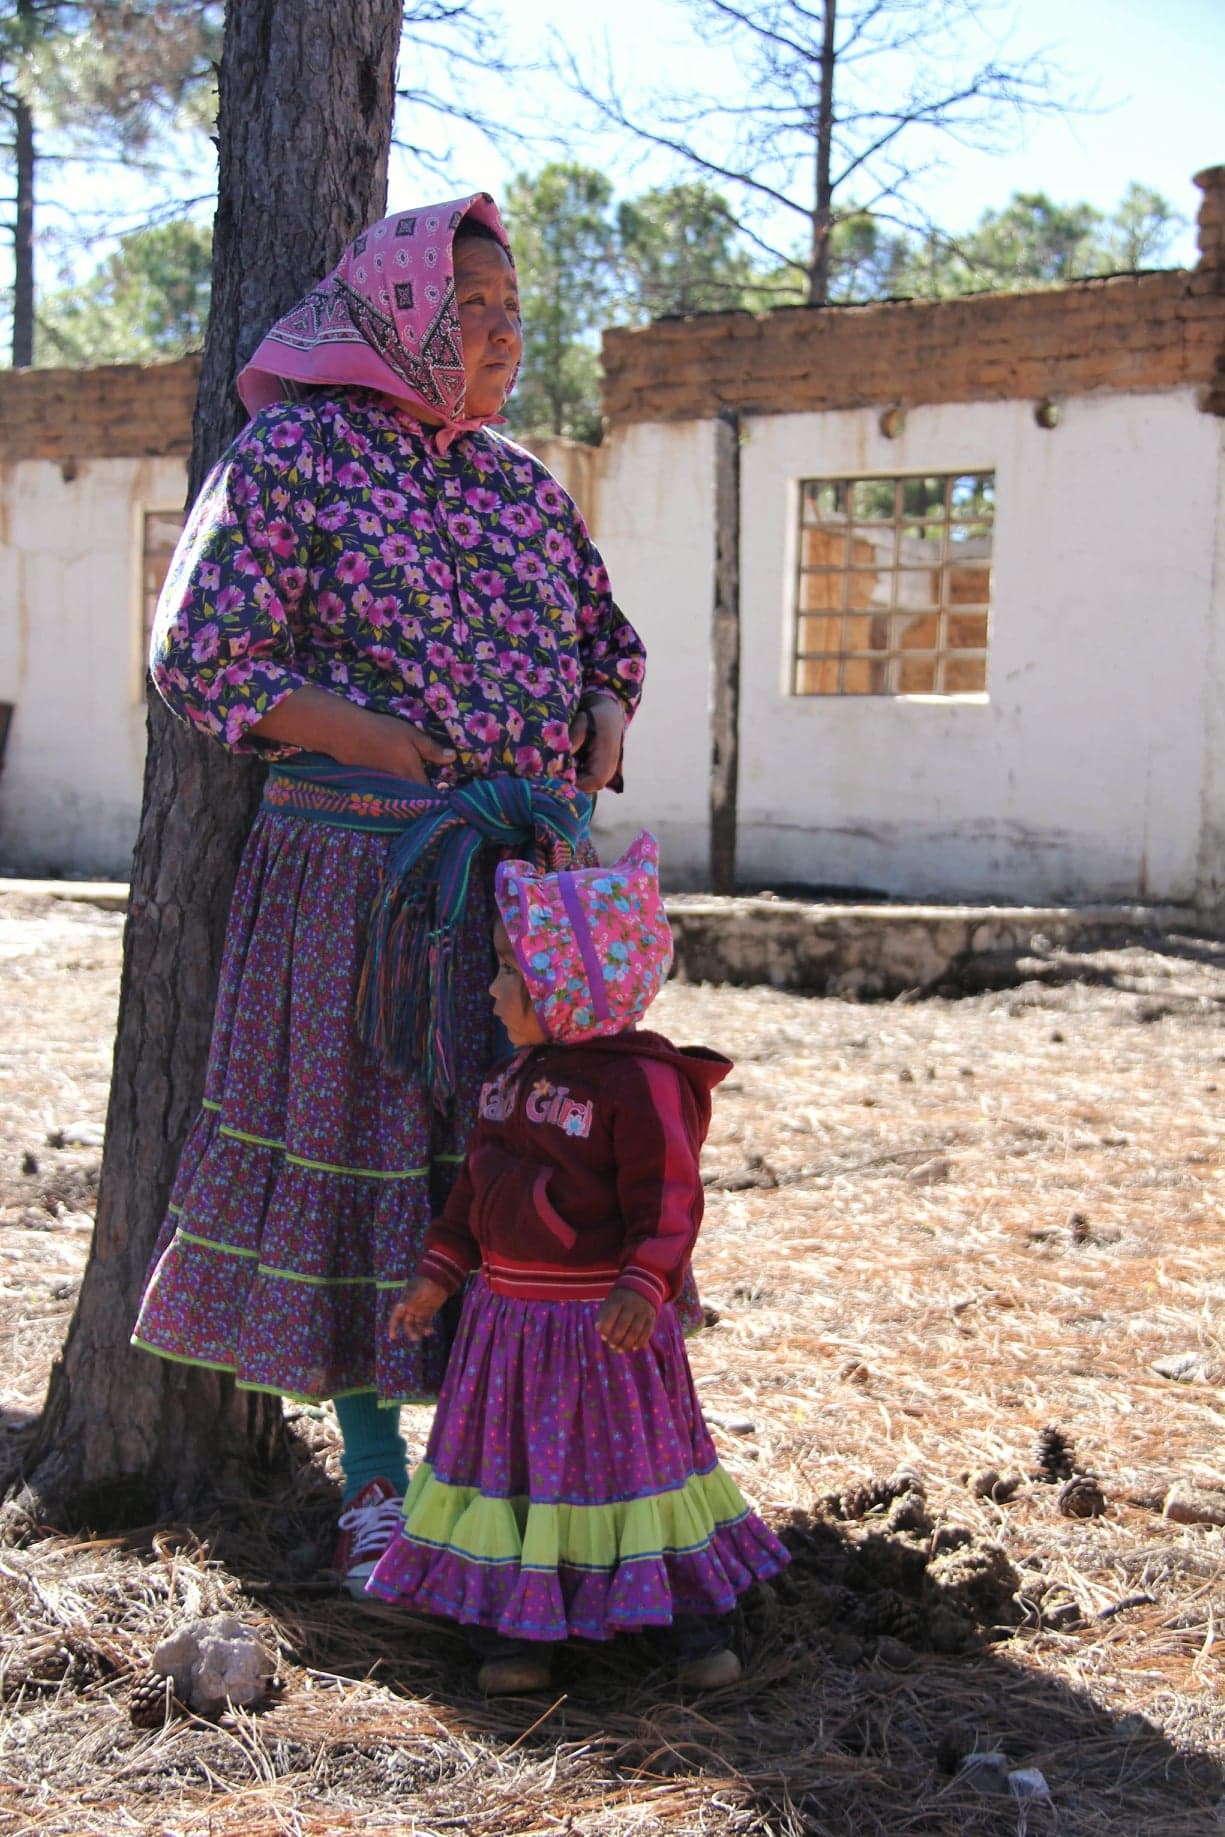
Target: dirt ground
{"points": [[934, 1228]]}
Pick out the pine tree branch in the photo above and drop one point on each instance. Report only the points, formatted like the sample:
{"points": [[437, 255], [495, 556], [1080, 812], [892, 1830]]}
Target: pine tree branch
{"points": [[612, 109]]}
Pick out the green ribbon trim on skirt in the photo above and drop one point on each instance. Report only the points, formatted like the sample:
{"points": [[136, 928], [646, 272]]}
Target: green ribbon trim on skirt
{"points": [[276, 1390], [322, 1167], [494, 1531], [288, 1275]]}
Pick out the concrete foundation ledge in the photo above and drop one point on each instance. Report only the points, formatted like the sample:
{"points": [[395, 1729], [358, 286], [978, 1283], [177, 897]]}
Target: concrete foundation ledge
{"points": [[879, 952], [110, 895], [868, 953]]}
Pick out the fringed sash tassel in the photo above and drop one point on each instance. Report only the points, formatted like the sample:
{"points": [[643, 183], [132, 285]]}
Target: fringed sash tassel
{"points": [[405, 1003]]}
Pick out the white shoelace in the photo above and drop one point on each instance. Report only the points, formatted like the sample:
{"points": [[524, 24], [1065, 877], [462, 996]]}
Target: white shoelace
{"points": [[373, 1527]]}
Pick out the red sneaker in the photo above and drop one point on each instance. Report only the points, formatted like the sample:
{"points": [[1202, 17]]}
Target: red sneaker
{"points": [[368, 1525]]}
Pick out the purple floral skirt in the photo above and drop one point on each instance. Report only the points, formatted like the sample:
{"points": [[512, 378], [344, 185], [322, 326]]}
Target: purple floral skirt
{"points": [[569, 1491], [310, 1176]]}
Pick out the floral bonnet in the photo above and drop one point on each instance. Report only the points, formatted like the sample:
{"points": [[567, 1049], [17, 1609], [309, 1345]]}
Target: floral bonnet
{"points": [[593, 943]]}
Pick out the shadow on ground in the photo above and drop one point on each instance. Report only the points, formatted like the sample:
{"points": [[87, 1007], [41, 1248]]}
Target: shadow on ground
{"points": [[847, 1724]]}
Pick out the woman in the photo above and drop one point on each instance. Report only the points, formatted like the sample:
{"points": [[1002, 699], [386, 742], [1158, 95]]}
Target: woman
{"points": [[404, 614]]}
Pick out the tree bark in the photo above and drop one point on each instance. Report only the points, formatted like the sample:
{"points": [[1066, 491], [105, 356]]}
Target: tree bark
{"points": [[306, 99], [725, 657], [23, 220], [823, 215]]}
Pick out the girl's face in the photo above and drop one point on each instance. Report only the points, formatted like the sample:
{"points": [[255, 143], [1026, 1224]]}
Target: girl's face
{"points": [[511, 1002]]}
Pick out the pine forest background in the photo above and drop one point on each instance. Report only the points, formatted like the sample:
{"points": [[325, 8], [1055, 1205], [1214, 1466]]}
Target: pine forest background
{"points": [[801, 189]]}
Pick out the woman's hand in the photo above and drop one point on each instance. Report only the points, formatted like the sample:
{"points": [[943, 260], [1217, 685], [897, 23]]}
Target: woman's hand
{"points": [[396, 747], [325, 723], [595, 741], [412, 1318], [626, 1320]]}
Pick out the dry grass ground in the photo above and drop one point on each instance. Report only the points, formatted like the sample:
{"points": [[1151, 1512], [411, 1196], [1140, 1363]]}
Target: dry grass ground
{"points": [[933, 1228]]}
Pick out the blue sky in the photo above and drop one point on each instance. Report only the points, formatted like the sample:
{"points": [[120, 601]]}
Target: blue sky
{"points": [[1151, 72]]}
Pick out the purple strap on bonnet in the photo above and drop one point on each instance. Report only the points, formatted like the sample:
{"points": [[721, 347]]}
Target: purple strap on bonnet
{"points": [[593, 944], [586, 945]]}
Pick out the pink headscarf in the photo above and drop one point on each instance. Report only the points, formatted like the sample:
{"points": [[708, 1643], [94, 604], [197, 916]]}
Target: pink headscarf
{"points": [[384, 319], [594, 944]]}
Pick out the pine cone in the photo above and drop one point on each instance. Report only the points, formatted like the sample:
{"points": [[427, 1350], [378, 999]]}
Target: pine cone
{"points": [[152, 1701], [858, 1500], [1082, 1497], [907, 1480], [1053, 1454], [877, 1494], [909, 1513], [890, 1613], [978, 1582], [88, 1661], [830, 1604], [58, 1661], [990, 1483], [53, 1661]]}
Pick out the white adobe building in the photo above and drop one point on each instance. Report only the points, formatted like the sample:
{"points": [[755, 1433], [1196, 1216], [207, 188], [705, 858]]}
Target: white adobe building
{"points": [[934, 592]]}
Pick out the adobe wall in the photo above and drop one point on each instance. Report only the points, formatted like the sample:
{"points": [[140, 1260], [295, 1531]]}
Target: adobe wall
{"points": [[1094, 765], [1130, 332], [119, 411], [72, 656]]}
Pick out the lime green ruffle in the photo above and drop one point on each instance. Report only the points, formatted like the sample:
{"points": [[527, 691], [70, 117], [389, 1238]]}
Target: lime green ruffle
{"points": [[536, 1536]]}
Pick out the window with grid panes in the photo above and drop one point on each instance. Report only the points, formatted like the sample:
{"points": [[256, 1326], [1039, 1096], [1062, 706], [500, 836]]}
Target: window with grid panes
{"points": [[161, 531], [893, 585]]}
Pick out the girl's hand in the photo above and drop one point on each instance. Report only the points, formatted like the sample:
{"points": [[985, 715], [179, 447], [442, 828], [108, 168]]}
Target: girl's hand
{"points": [[626, 1320], [412, 1318], [595, 741]]}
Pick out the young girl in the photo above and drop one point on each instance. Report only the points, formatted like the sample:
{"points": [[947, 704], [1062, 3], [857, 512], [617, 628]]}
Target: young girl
{"points": [[570, 1488]]}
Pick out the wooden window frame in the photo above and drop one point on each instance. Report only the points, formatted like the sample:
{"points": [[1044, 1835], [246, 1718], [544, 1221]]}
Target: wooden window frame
{"points": [[154, 563], [888, 536]]}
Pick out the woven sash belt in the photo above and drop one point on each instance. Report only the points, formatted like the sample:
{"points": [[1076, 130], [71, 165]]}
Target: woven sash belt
{"points": [[405, 1001]]}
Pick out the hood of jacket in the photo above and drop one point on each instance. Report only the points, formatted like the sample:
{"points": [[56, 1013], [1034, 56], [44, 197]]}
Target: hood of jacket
{"points": [[700, 1067]]}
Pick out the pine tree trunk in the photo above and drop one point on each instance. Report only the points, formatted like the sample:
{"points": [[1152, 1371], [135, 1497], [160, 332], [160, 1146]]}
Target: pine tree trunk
{"points": [[23, 220], [823, 212], [307, 92]]}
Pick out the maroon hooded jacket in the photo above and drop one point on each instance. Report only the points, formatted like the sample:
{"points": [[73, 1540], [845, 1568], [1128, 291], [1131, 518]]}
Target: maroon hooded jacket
{"points": [[582, 1172]]}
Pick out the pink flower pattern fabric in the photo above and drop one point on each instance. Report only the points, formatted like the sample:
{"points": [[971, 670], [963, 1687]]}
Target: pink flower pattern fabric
{"points": [[335, 545], [594, 944]]}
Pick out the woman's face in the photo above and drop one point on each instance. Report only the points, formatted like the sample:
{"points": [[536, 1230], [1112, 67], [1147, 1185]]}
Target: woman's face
{"points": [[487, 296], [511, 1002]]}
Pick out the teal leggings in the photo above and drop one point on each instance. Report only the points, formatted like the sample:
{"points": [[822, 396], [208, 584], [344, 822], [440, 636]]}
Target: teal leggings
{"points": [[373, 1446]]}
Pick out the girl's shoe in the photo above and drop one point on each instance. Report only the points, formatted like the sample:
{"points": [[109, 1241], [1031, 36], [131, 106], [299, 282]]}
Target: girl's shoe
{"points": [[369, 1524], [515, 1676], [712, 1671]]}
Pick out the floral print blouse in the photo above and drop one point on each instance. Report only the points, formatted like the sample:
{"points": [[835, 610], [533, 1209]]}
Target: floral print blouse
{"points": [[333, 544]]}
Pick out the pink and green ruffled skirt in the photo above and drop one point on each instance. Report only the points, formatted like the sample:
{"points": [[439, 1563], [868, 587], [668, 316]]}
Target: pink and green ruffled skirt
{"points": [[569, 1491]]}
